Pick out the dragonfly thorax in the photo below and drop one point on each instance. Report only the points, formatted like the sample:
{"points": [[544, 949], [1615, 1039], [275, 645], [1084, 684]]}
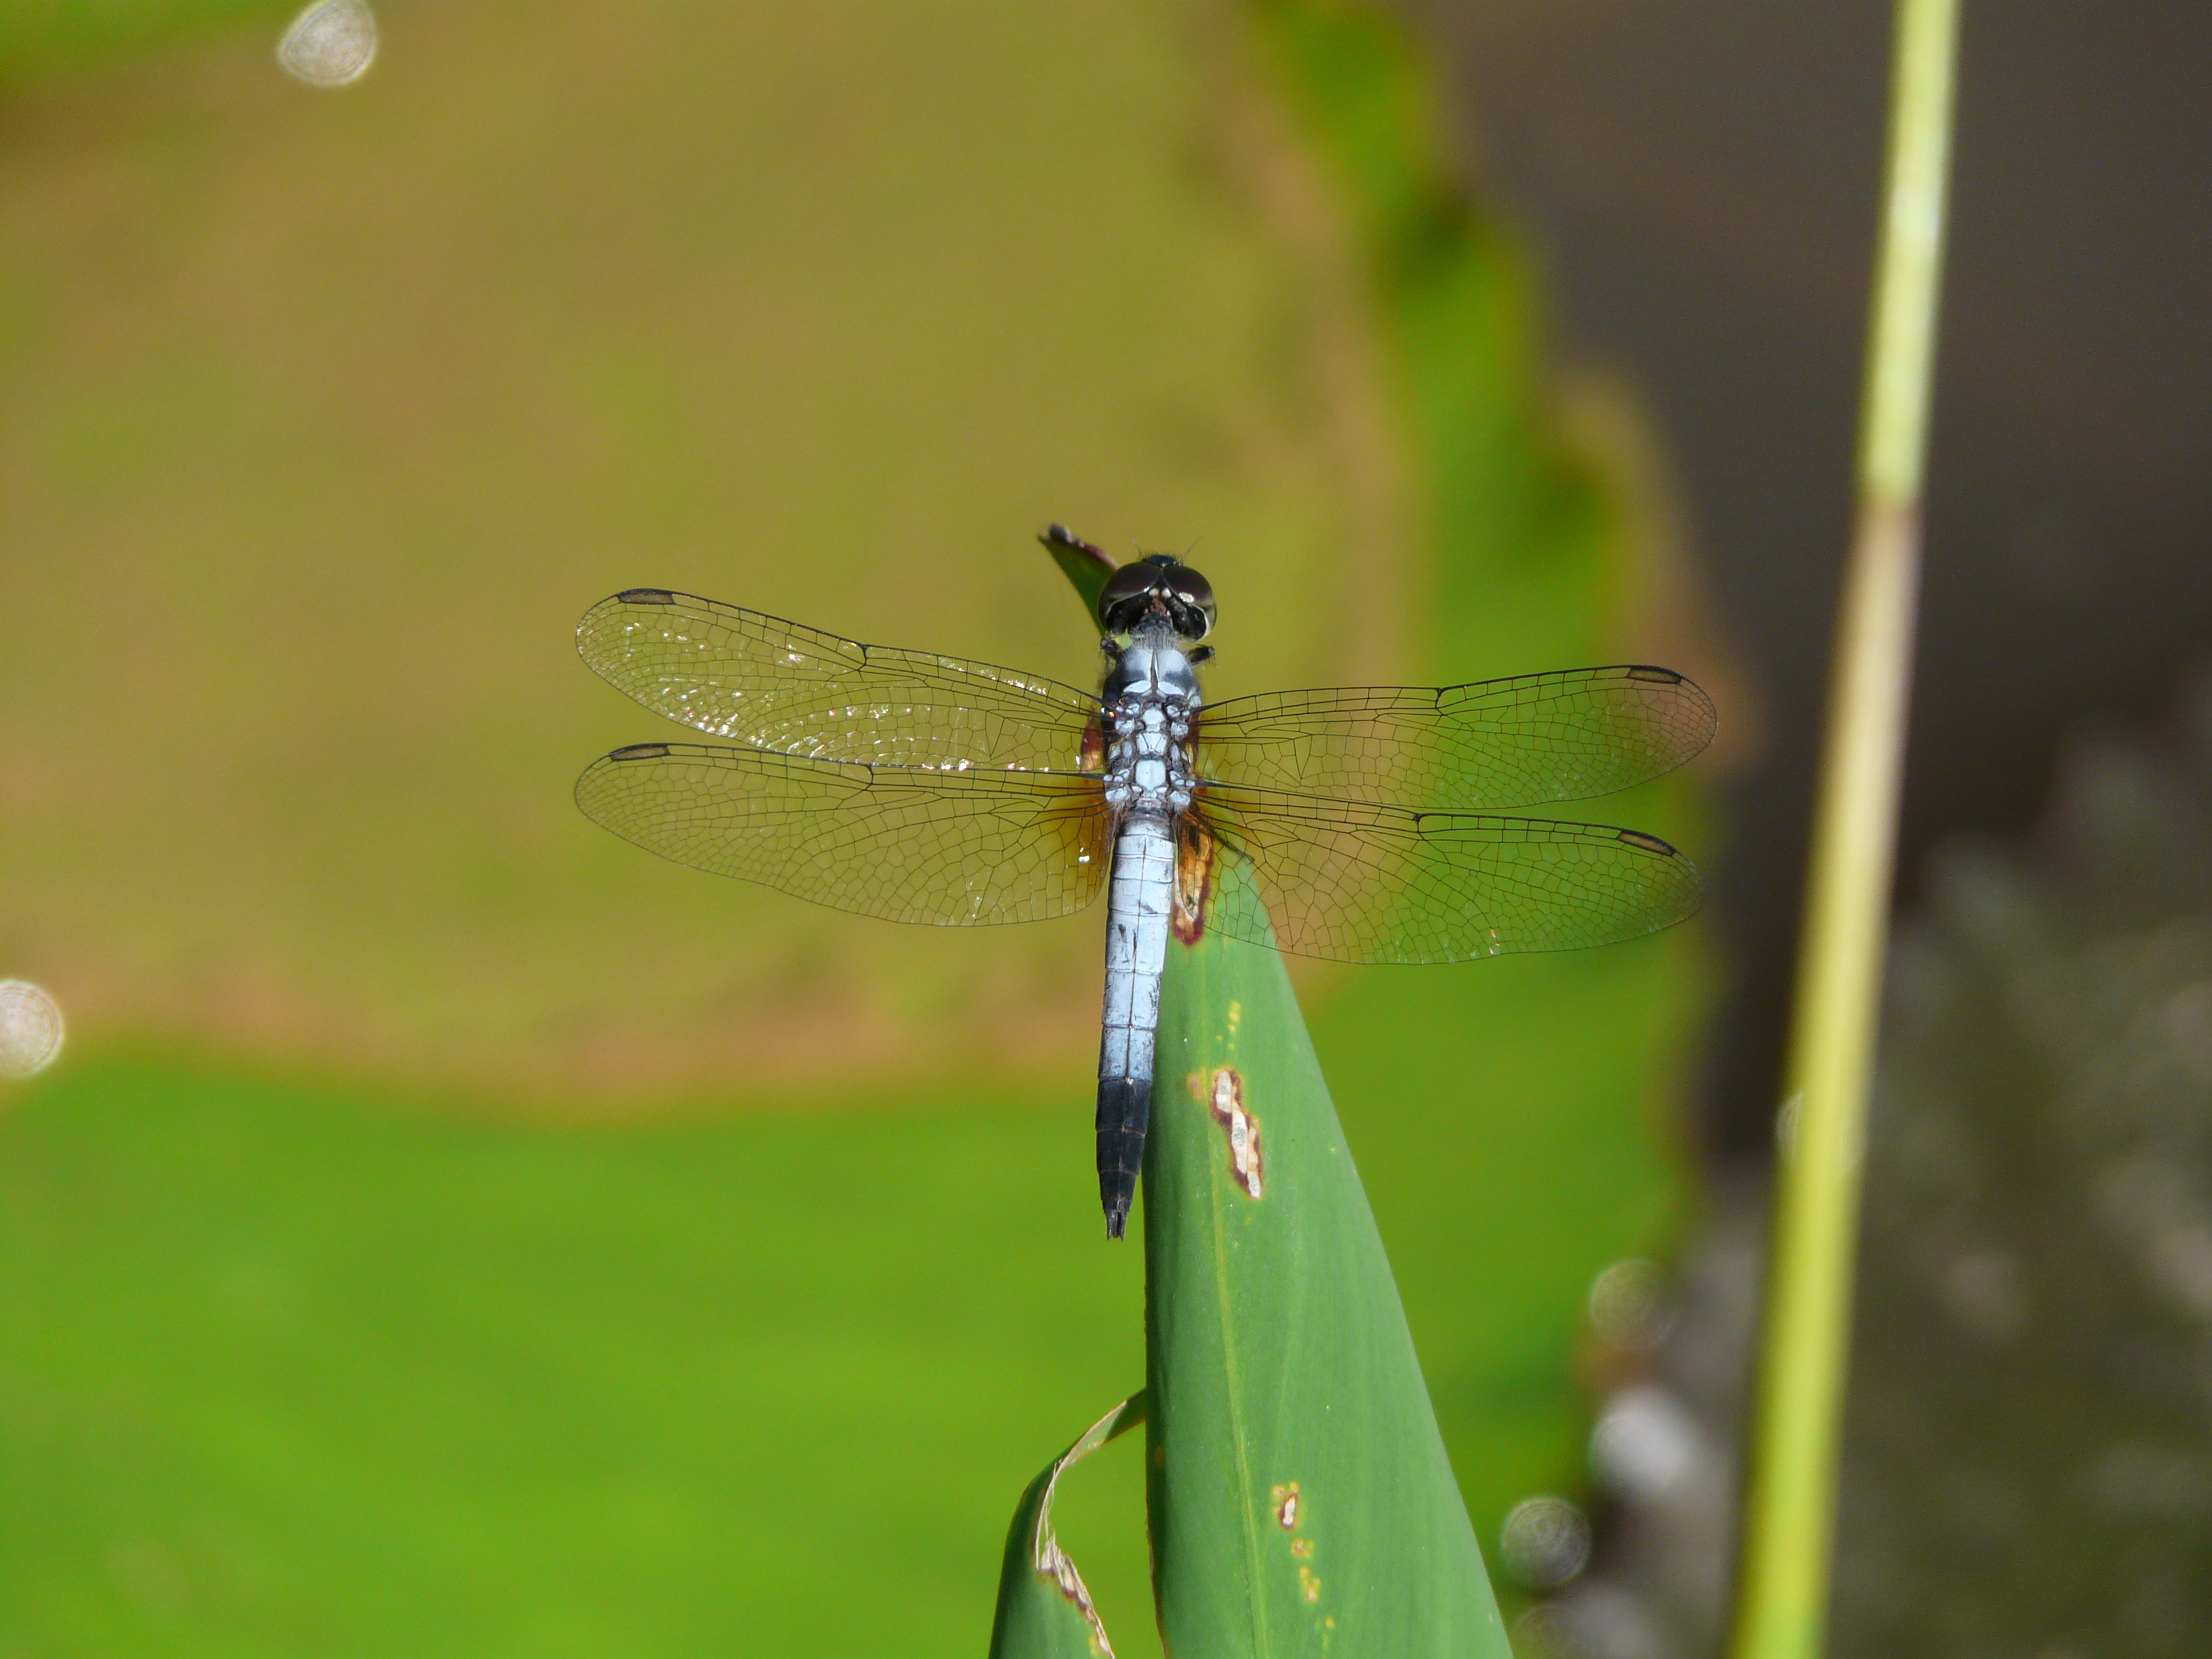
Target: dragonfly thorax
{"points": [[1151, 694]]}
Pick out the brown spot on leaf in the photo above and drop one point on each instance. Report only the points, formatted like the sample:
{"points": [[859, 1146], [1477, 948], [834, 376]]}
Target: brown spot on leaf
{"points": [[1308, 1585], [1050, 1560], [1195, 861], [1063, 1573], [1226, 1099], [1286, 1505]]}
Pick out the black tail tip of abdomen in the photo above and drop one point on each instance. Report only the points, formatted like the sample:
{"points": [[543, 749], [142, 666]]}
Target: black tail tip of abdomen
{"points": [[1125, 1111]]}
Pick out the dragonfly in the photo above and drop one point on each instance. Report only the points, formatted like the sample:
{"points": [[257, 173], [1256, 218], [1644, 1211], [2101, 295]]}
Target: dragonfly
{"points": [[1362, 824]]}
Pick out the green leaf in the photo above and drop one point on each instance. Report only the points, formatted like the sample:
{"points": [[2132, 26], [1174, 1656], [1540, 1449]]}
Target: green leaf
{"points": [[1301, 1501], [1082, 563], [1044, 1611]]}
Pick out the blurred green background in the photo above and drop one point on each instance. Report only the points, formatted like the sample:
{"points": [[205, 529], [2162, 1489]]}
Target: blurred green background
{"points": [[453, 1231]]}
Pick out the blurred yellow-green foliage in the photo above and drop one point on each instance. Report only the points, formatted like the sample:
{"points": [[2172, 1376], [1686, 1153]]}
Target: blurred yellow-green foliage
{"points": [[454, 1231], [338, 409]]}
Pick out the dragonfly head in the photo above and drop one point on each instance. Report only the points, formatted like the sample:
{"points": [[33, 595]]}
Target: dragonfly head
{"points": [[1157, 584]]}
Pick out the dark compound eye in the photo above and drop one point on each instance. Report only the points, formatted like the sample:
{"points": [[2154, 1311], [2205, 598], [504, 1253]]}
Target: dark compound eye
{"points": [[1190, 602], [1125, 596], [1133, 589]]}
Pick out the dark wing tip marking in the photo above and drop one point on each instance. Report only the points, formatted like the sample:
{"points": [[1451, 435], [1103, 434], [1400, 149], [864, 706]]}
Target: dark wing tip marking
{"points": [[1649, 843], [1657, 676], [646, 596], [639, 751]]}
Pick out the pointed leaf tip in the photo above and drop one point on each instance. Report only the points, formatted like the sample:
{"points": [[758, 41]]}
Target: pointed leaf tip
{"points": [[1084, 564]]}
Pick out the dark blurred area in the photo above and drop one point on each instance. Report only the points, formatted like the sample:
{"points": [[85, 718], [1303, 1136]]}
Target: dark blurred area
{"points": [[1700, 180], [2030, 1417], [2030, 1422], [2027, 1448]]}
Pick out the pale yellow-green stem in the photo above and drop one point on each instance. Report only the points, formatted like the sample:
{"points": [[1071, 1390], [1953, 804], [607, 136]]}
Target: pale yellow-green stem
{"points": [[1781, 1591]]}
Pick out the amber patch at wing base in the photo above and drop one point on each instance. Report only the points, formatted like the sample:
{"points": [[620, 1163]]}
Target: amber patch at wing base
{"points": [[1082, 826], [1196, 852]]}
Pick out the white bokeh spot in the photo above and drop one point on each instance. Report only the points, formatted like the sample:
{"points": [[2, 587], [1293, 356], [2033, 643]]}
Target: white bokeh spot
{"points": [[1644, 1442], [1546, 1542], [331, 44], [1627, 1303], [30, 1029]]}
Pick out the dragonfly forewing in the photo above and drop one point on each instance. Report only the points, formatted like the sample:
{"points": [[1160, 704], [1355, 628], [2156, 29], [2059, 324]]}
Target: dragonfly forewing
{"points": [[946, 848], [777, 685], [1519, 742]]}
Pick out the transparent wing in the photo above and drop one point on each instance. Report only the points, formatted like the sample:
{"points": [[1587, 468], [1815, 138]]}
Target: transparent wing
{"points": [[776, 685], [1355, 882], [1462, 748], [941, 848]]}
